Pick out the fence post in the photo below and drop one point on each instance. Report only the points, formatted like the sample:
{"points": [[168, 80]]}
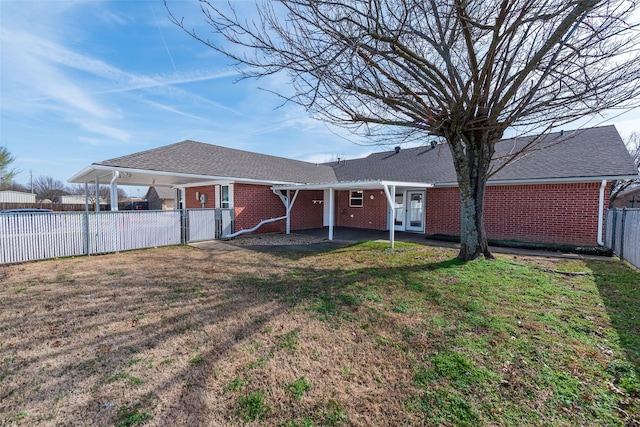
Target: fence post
{"points": [[614, 227], [183, 225], [86, 218], [218, 224], [624, 217]]}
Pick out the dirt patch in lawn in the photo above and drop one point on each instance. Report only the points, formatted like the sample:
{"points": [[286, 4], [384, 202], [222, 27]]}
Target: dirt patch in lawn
{"points": [[181, 336]]}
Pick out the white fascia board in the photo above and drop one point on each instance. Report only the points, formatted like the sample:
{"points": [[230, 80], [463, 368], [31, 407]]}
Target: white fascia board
{"points": [[199, 180], [354, 185], [229, 181], [91, 172], [545, 180]]}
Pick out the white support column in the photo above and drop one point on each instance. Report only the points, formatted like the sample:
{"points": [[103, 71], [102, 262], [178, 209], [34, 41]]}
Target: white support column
{"points": [[97, 209], [391, 194], [288, 210], [331, 212], [113, 191], [288, 202], [86, 197]]}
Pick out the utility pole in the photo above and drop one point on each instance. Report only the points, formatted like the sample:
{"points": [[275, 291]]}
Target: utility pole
{"points": [[31, 180]]}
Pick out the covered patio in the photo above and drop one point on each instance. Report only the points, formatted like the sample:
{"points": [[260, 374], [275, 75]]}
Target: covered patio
{"points": [[388, 187]]}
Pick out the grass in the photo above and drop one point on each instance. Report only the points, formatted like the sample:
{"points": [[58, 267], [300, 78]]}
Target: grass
{"points": [[357, 336]]}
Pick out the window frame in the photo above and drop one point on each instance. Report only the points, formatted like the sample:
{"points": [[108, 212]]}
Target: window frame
{"points": [[354, 198], [226, 202]]}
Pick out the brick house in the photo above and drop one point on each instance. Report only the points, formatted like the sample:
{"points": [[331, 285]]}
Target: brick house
{"points": [[160, 198], [629, 198], [554, 193]]}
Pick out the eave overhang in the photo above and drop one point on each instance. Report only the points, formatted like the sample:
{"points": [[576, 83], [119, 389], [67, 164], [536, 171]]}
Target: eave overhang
{"points": [[144, 177], [353, 185]]}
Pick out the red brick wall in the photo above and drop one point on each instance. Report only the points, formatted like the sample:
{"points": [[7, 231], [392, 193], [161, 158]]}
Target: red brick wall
{"points": [[372, 214], [306, 214], [545, 213], [190, 197], [254, 203]]}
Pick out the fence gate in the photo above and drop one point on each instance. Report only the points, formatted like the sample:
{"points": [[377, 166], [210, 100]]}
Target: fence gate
{"points": [[208, 224]]}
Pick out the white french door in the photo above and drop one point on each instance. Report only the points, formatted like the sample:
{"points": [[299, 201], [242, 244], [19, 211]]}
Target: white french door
{"points": [[408, 213], [415, 211]]}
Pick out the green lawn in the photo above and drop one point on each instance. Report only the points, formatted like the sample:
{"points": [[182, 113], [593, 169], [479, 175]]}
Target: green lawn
{"points": [[358, 336]]}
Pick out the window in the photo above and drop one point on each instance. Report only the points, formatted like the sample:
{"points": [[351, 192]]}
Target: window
{"points": [[225, 197], [355, 198]]}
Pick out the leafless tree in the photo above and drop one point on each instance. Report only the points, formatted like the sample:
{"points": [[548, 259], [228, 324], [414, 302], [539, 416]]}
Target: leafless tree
{"points": [[633, 145], [49, 188], [15, 186], [461, 70], [103, 191]]}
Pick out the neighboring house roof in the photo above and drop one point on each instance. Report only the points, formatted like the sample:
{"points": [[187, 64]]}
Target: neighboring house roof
{"points": [[590, 153], [197, 158], [163, 192], [629, 191]]}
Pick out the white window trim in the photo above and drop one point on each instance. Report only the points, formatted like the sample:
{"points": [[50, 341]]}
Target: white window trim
{"points": [[351, 205], [230, 195]]}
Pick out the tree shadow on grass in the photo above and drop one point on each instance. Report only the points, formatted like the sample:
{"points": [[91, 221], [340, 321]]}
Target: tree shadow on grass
{"points": [[619, 287]]}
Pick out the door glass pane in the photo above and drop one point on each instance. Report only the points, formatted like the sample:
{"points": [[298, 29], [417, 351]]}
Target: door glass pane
{"points": [[399, 210], [415, 210], [225, 197]]}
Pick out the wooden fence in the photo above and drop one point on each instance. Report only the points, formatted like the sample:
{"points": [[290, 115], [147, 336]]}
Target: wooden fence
{"points": [[623, 234]]}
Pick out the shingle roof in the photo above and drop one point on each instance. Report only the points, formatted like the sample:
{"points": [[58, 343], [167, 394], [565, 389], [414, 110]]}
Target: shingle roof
{"points": [[589, 153], [197, 158], [164, 192], [594, 152]]}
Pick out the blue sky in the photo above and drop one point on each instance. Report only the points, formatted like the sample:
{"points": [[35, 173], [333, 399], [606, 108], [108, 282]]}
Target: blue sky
{"points": [[85, 81]]}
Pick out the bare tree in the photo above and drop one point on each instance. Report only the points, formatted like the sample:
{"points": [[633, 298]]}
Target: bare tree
{"points": [[15, 186], [633, 145], [48, 188], [103, 192], [461, 70]]}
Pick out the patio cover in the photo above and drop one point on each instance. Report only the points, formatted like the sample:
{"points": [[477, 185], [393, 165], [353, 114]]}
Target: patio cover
{"points": [[389, 188]]}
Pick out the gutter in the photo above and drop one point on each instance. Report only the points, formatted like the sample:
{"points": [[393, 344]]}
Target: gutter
{"points": [[600, 239], [545, 180]]}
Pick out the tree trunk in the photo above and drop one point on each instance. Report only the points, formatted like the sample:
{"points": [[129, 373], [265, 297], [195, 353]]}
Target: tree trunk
{"points": [[472, 157]]}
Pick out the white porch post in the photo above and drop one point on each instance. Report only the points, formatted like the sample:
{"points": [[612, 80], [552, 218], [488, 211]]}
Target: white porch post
{"points": [[331, 213], [288, 202], [288, 210], [113, 191], [97, 209], [391, 194]]}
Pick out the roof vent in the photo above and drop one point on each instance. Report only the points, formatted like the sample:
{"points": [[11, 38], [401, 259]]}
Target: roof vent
{"points": [[561, 132], [433, 144], [397, 150]]}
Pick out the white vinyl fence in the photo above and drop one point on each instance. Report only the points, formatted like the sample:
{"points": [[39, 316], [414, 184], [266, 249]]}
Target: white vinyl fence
{"points": [[34, 236], [208, 224], [623, 234]]}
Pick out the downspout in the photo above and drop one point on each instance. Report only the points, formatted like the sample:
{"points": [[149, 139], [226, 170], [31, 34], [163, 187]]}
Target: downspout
{"points": [[603, 184], [113, 189]]}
